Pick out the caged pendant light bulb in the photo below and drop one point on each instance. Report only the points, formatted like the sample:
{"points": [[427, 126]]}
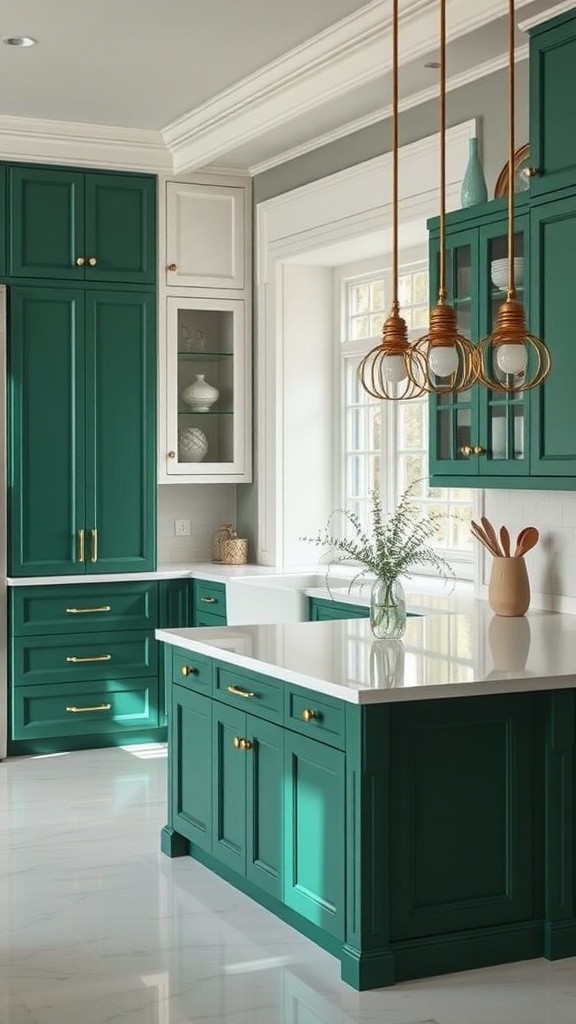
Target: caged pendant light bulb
{"points": [[393, 369], [451, 362], [511, 359]]}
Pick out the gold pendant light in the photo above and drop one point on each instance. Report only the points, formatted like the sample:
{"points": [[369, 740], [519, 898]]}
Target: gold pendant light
{"points": [[511, 359], [451, 361], [393, 369]]}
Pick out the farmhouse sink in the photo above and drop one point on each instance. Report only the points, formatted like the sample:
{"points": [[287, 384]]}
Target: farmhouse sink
{"points": [[282, 598]]}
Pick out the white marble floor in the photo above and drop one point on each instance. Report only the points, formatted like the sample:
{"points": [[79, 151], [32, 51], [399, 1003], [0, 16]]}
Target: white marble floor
{"points": [[97, 927]]}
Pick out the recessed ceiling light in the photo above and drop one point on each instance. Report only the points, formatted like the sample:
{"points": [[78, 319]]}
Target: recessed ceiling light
{"points": [[20, 41]]}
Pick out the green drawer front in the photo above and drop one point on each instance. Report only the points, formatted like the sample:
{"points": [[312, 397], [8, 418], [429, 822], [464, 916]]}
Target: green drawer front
{"points": [[322, 609], [86, 656], [253, 693], [209, 599], [315, 716], [104, 707], [203, 618], [192, 671], [85, 608]]}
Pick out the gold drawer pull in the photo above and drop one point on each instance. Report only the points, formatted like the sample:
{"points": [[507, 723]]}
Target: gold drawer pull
{"points": [[208, 600], [80, 261], [188, 670], [172, 267], [309, 715], [92, 261], [241, 744], [87, 611], [97, 707], [81, 556], [93, 545], [95, 657], [239, 692]]}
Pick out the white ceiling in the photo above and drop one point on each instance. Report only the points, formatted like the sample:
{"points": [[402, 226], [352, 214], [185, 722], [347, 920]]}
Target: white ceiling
{"points": [[234, 83]]}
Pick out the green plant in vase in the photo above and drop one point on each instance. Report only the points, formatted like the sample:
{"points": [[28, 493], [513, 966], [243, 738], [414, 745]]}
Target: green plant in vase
{"points": [[392, 546]]}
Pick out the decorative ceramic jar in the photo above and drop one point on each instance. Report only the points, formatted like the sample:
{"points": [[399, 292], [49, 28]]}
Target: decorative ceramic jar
{"points": [[200, 395], [192, 444], [473, 188], [388, 609]]}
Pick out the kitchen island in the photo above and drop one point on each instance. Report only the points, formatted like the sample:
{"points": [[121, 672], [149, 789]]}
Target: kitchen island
{"points": [[407, 805]]}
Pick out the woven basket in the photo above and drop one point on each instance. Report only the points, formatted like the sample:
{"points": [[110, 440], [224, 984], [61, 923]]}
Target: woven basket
{"points": [[234, 550]]}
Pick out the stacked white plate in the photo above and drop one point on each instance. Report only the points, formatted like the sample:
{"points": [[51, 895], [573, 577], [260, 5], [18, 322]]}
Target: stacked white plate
{"points": [[499, 272]]}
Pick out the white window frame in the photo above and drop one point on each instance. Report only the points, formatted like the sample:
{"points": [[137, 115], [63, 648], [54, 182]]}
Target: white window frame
{"points": [[461, 560]]}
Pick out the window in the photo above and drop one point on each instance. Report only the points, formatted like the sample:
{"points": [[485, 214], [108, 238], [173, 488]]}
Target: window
{"points": [[385, 444]]}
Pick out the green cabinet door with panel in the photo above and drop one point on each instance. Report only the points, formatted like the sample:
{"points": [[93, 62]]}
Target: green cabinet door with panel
{"points": [[322, 609], [81, 225], [82, 431], [209, 603], [552, 78], [478, 438]]}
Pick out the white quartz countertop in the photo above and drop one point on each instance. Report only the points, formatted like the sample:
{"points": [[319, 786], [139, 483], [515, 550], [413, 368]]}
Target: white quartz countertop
{"points": [[210, 571], [443, 654]]}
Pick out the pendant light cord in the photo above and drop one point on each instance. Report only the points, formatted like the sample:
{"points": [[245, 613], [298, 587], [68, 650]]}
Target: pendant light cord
{"points": [[395, 305], [442, 293], [511, 105]]}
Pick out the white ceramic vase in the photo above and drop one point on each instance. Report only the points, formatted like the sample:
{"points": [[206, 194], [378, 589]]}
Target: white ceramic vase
{"points": [[192, 444], [200, 395]]}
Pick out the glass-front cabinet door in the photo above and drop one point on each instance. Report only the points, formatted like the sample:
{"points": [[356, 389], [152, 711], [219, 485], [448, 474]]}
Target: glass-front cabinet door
{"points": [[207, 389], [478, 435]]}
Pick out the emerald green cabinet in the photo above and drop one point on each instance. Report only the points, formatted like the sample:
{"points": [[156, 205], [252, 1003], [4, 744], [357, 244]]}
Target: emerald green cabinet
{"points": [[82, 478], [209, 603], [190, 743], [314, 831], [552, 317], [247, 781], [3, 232], [81, 225], [321, 609], [478, 438], [552, 62]]}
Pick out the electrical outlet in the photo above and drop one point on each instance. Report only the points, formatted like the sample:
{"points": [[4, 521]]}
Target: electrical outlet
{"points": [[181, 527]]}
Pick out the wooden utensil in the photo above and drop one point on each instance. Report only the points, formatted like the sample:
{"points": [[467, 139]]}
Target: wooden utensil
{"points": [[491, 534], [505, 541], [478, 532], [527, 539]]}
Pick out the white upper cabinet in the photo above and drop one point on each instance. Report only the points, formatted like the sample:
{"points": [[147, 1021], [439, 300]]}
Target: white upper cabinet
{"points": [[205, 231]]}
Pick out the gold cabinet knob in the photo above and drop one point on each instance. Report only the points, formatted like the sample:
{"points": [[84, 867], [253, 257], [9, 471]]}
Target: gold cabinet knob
{"points": [[189, 670], [242, 744], [308, 715], [532, 172], [171, 455], [467, 449], [172, 267], [478, 449], [92, 261], [80, 261]]}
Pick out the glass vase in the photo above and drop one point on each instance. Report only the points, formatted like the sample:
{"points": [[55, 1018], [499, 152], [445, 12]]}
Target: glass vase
{"points": [[388, 609]]}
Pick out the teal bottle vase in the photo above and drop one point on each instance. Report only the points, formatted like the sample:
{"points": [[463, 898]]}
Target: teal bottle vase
{"points": [[473, 189]]}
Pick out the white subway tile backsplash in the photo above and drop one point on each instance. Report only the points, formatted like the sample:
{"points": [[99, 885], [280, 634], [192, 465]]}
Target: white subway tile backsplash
{"points": [[206, 506]]}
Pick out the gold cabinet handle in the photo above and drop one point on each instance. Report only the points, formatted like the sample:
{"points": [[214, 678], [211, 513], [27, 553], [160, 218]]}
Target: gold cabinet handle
{"points": [[188, 670], [92, 261], [308, 715], [88, 611], [97, 707], [239, 692], [95, 657], [171, 455], [467, 449], [478, 449], [208, 600], [93, 545], [81, 554], [172, 267], [241, 744], [80, 261], [532, 172]]}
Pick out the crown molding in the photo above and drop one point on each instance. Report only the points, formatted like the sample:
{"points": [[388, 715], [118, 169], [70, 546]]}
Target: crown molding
{"points": [[552, 12], [353, 52], [454, 82], [68, 142]]}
